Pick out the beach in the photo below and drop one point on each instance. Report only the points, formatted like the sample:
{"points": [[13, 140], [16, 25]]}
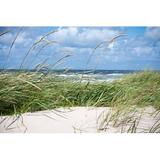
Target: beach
{"points": [[81, 120]]}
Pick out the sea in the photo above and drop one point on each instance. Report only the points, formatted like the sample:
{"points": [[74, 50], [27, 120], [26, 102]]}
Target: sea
{"points": [[83, 75], [94, 76]]}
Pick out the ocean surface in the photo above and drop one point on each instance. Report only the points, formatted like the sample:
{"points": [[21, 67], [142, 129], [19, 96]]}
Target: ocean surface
{"points": [[94, 76], [85, 75]]}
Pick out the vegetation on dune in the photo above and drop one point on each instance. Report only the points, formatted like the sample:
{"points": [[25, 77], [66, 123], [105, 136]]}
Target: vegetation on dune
{"points": [[29, 92], [24, 91]]}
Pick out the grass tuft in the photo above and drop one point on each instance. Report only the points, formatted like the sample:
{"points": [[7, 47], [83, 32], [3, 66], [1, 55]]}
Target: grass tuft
{"points": [[22, 92]]}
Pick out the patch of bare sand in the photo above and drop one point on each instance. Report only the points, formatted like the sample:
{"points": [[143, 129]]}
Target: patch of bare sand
{"points": [[83, 120]]}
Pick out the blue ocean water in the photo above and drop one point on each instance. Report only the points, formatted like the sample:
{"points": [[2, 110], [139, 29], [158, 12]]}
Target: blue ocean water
{"points": [[84, 75], [94, 76]]}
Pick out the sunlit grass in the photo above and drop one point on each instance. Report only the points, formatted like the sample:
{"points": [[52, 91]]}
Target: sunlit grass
{"points": [[29, 92]]}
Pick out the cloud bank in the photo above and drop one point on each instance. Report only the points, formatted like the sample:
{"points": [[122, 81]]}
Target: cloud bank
{"points": [[140, 49]]}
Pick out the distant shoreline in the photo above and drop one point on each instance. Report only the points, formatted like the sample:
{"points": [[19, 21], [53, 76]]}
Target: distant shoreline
{"points": [[102, 71]]}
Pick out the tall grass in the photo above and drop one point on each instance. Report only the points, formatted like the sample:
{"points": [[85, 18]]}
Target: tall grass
{"points": [[4, 32], [26, 92], [35, 44], [103, 44]]}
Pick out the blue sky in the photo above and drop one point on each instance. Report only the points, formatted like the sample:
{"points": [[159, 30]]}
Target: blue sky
{"points": [[139, 49]]}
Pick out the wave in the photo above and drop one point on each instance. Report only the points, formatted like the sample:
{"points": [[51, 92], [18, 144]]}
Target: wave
{"points": [[92, 77]]}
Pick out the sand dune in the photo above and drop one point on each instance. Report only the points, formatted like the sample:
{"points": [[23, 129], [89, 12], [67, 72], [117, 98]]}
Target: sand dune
{"points": [[82, 120]]}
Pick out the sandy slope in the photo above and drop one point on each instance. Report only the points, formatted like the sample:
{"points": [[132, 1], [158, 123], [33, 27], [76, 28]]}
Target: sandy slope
{"points": [[81, 119]]}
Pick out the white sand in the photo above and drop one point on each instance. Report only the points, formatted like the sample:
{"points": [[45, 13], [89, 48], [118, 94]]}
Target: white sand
{"points": [[78, 120]]}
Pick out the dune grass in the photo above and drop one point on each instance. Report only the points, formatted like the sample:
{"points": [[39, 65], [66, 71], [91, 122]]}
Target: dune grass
{"points": [[22, 92]]}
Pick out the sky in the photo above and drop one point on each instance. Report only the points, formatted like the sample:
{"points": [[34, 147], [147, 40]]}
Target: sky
{"points": [[74, 48]]}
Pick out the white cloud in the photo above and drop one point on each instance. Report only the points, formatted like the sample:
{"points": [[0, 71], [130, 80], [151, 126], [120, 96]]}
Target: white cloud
{"points": [[153, 33], [6, 38], [111, 45], [141, 46], [143, 50], [83, 37], [22, 39]]}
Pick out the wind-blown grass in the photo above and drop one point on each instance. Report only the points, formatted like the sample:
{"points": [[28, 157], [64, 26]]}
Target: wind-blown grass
{"points": [[27, 92]]}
